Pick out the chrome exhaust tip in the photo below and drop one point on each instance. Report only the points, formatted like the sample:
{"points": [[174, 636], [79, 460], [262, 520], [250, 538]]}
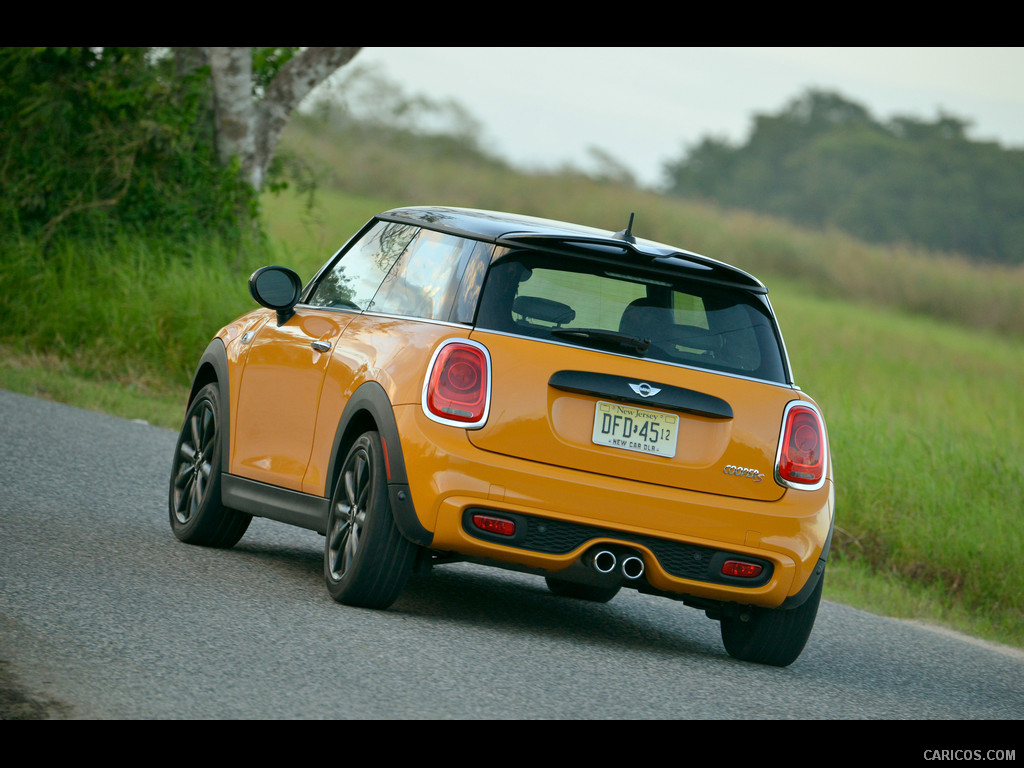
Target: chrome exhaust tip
{"points": [[604, 561], [633, 567]]}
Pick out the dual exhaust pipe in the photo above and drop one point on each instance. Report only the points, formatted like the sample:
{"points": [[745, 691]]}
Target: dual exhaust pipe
{"points": [[605, 561]]}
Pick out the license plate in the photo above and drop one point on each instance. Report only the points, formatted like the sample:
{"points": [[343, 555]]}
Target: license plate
{"points": [[634, 429]]}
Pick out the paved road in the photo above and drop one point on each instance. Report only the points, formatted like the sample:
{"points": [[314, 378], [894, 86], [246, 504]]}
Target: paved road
{"points": [[104, 614]]}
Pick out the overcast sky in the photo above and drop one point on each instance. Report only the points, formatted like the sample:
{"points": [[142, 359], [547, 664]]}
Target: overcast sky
{"points": [[541, 107]]}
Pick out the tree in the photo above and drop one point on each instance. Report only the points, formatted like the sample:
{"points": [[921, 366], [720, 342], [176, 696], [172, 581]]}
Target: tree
{"points": [[251, 106], [99, 141], [824, 161]]}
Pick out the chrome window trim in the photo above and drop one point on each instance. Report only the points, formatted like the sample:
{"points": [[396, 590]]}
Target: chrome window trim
{"points": [[411, 318], [415, 319]]}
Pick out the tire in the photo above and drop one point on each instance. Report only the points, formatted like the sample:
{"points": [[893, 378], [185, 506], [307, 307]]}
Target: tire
{"points": [[576, 591], [367, 561], [775, 637], [194, 503]]}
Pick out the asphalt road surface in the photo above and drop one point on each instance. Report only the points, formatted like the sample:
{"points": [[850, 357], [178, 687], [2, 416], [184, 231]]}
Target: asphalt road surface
{"points": [[105, 615]]}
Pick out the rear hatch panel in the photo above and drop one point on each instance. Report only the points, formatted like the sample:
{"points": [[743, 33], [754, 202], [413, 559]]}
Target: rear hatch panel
{"points": [[559, 404]]}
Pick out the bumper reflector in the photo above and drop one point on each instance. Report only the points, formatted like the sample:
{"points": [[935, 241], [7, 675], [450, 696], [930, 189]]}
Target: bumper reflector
{"points": [[740, 569], [492, 524]]}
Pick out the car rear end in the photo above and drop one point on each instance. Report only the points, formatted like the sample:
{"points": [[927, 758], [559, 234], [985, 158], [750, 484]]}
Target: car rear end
{"points": [[623, 414]]}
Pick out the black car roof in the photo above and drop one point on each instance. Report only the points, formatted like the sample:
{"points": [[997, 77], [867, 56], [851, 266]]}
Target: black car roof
{"points": [[516, 230]]}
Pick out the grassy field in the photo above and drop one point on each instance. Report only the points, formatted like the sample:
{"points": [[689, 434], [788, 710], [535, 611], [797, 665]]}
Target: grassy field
{"points": [[919, 380], [926, 432]]}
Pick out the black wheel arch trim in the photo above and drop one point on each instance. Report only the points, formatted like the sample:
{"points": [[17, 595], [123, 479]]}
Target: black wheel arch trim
{"points": [[370, 403], [213, 369]]}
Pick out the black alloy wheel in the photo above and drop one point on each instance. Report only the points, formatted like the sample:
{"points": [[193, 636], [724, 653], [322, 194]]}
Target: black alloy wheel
{"points": [[196, 513], [367, 561], [348, 516]]}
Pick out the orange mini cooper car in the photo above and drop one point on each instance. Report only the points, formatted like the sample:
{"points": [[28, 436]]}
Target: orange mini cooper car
{"points": [[597, 409]]}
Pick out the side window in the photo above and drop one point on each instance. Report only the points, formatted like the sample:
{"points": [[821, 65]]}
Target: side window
{"points": [[352, 282], [425, 280]]}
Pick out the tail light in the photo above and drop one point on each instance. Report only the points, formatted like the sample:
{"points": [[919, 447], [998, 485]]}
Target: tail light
{"points": [[458, 385], [803, 451]]}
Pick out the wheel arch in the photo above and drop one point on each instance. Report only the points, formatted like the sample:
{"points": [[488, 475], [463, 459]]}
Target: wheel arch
{"points": [[370, 409], [213, 369]]}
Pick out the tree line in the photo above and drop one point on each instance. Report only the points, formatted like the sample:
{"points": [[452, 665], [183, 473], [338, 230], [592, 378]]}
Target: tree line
{"points": [[824, 161]]}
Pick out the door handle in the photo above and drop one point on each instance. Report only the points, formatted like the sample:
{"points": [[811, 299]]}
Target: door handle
{"points": [[320, 346]]}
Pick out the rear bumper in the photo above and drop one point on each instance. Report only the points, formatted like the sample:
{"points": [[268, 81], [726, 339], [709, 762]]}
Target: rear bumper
{"points": [[682, 536]]}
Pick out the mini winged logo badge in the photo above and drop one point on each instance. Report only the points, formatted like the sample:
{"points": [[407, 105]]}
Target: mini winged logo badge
{"points": [[644, 389]]}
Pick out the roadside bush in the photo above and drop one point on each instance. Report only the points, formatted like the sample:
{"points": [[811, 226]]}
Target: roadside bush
{"points": [[97, 142]]}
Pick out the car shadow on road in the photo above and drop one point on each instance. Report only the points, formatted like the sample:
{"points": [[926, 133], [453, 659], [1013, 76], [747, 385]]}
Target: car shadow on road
{"points": [[506, 601], [499, 600]]}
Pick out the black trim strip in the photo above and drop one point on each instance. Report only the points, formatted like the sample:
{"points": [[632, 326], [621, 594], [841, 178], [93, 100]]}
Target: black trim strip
{"points": [[618, 388], [274, 503]]}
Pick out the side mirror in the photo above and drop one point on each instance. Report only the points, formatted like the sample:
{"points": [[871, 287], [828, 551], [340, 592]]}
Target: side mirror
{"points": [[276, 288]]}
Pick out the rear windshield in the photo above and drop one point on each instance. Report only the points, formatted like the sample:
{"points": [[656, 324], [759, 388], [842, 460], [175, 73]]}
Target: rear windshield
{"points": [[622, 310]]}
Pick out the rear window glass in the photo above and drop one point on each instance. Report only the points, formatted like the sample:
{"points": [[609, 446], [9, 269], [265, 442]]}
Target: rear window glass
{"points": [[622, 310]]}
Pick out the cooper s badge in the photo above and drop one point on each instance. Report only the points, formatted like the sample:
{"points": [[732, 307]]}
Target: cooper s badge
{"points": [[753, 474]]}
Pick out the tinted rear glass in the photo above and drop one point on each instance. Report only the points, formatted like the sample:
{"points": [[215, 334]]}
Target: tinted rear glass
{"points": [[621, 310]]}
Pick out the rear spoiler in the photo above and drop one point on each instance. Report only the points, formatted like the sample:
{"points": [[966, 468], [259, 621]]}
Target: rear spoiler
{"points": [[637, 253]]}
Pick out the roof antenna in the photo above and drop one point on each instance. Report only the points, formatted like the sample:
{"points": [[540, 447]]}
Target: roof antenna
{"points": [[627, 233]]}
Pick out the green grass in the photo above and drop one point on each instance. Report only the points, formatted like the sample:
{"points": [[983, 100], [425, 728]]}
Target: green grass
{"points": [[854, 583], [54, 378], [927, 433], [118, 326], [122, 311]]}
